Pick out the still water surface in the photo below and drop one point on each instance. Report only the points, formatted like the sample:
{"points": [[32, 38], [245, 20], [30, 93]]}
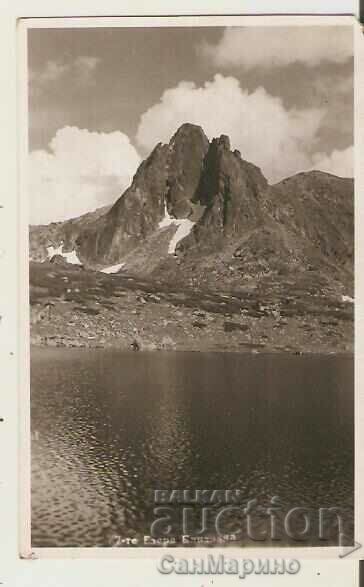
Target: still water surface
{"points": [[109, 427]]}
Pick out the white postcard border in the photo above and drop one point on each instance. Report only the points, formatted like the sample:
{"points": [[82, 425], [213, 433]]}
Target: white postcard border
{"points": [[14, 333]]}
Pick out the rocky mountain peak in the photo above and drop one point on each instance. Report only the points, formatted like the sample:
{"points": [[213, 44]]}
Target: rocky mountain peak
{"points": [[187, 151], [223, 141], [188, 131], [230, 188], [220, 215]]}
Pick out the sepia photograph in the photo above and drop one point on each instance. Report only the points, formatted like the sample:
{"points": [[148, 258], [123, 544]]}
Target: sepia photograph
{"points": [[190, 195]]}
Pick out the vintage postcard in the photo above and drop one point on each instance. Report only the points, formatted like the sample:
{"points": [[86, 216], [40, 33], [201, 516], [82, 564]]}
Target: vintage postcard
{"points": [[189, 231]]}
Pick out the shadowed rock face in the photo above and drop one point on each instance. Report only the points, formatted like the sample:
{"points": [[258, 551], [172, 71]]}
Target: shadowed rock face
{"points": [[56, 233], [316, 208], [169, 176], [244, 229], [187, 151], [187, 171], [231, 190], [133, 216]]}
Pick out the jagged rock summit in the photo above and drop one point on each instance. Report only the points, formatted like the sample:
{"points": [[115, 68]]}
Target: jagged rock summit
{"points": [[166, 181], [196, 211]]}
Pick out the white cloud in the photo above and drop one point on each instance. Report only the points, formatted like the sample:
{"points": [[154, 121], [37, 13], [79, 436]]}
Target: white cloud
{"points": [[81, 69], [82, 171], [279, 46], [51, 71], [338, 162], [85, 66], [85, 62], [277, 140]]}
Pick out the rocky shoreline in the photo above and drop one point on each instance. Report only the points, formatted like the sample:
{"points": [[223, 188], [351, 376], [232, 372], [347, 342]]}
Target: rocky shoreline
{"points": [[86, 309]]}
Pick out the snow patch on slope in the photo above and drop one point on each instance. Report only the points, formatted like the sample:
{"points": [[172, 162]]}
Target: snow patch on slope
{"points": [[70, 257], [347, 299], [113, 268], [184, 227]]}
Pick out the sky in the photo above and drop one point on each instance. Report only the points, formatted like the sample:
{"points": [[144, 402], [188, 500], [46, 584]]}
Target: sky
{"points": [[100, 99]]}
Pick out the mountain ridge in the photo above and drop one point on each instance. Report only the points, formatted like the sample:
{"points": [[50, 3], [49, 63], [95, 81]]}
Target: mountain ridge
{"points": [[238, 227]]}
